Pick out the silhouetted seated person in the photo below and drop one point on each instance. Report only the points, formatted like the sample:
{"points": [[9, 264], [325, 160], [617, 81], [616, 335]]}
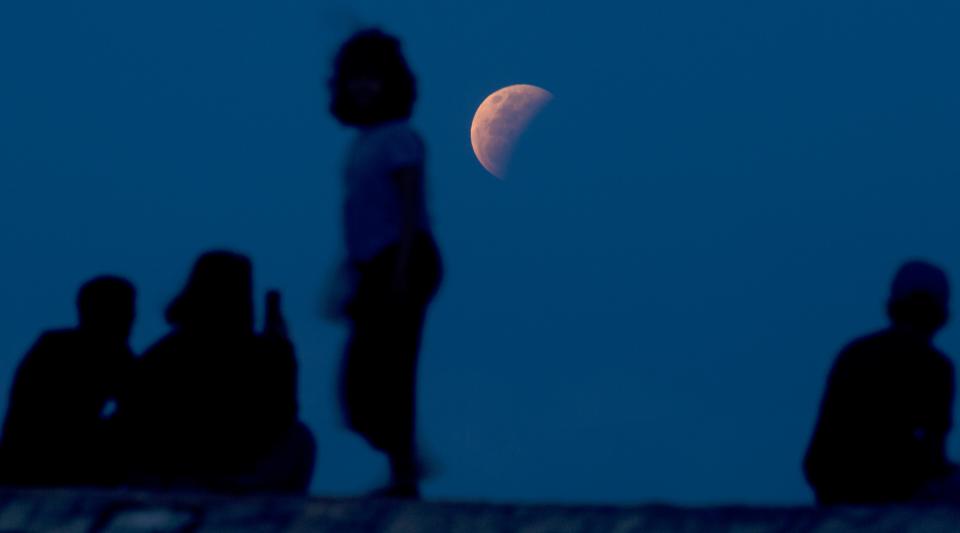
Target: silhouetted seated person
{"points": [[887, 408], [58, 429], [215, 404], [391, 253]]}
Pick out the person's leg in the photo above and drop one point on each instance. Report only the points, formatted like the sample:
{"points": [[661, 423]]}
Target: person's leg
{"points": [[362, 369], [379, 388], [380, 368], [400, 443], [406, 465]]}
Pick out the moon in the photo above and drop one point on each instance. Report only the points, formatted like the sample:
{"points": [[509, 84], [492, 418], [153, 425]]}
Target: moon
{"points": [[500, 120]]}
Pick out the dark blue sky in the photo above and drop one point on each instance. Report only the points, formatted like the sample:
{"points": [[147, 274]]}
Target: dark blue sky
{"points": [[645, 309]]}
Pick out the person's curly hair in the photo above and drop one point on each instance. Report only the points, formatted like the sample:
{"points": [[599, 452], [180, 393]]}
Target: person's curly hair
{"points": [[372, 54]]}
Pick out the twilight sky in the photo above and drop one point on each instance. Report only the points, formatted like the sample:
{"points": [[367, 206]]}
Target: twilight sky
{"points": [[712, 205]]}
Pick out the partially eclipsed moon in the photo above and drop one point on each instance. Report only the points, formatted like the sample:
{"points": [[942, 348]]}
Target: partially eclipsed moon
{"points": [[500, 120]]}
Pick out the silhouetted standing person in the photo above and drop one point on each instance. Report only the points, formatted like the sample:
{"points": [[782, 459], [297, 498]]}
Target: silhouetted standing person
{"points": [[58, 429], [392, 257], [214, 402], [887, 408]]}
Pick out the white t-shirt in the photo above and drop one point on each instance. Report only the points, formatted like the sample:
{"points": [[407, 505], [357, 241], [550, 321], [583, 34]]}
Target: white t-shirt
{"points": [[372, 210]]}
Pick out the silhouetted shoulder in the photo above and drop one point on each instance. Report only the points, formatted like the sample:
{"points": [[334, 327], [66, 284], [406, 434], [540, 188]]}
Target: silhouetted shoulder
{"points": [[867, 343], [49, 342], [888, 343], [48, 355], [857, 353]]}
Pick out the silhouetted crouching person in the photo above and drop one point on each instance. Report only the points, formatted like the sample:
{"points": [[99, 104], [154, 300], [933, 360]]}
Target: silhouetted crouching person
{"points": [[391, 251], [215, 404], [887, 407], [58, 429]]}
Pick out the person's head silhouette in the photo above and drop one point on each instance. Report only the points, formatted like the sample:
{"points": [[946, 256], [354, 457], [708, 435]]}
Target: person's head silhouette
{"points": [[218, 294], [106, 307], [919, 298], [371, 81]]}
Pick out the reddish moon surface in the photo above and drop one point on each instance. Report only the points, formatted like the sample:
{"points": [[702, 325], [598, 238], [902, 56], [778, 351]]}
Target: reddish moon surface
{"points": [[500, 120]]}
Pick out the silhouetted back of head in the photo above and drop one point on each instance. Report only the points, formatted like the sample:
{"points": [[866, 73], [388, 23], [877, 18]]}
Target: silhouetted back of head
{"points": [[371, 81], [218, 294], [919, 297], [106, 306]]}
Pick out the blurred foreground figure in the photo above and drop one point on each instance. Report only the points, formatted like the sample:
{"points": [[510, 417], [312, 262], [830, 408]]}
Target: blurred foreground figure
{"points": [[887, 408], [393, 267], [59, 428], [214, 404]]}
